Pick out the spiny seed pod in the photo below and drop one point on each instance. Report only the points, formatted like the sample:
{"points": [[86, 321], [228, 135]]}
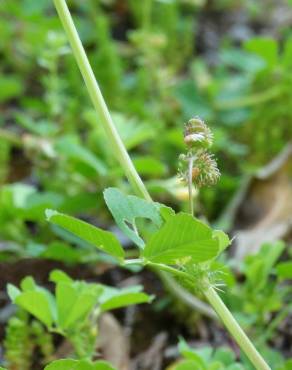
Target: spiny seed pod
{"points": [[205, 170], [197, 134], [195, 173], [198, 165]]}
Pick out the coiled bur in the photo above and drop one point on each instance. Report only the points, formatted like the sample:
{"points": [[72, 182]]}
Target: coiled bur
{"points": [[197, 134]]}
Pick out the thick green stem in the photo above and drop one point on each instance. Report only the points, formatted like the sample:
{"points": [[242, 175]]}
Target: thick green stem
{"points": [[235, 330], [185, 296], [98, 101]]}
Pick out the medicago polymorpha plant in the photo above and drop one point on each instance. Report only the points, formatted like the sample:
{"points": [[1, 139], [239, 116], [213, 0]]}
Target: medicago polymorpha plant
{"points": [[180, 244]]}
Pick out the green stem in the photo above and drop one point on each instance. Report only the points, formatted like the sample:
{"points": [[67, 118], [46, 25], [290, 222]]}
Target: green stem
{"points": [[196, 304], [190, 185], [133, 261], [238, 334], [98, 100], [169, 269], [251, 100]]}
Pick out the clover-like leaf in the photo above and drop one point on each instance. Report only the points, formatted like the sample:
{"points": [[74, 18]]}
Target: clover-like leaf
{"points": [[74, 301], [181, 238], [126, 208], [102, 239], [113, 298]]}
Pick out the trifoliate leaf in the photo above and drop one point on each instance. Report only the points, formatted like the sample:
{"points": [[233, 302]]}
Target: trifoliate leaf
{"points": [[74, 301], [181, 238]]}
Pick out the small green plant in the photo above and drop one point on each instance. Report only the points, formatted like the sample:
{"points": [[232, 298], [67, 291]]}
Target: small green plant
{"points": [[23, 338], [179, 244], [71, 312], [207, 358], [222, 358]]}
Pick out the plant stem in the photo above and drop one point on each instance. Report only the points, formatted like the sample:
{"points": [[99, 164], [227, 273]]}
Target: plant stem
{"points": [[98, 100], [133, 261], [196, 304], [113, 136], [238, 334], [171, 270], [190, 185], [249, 101]]}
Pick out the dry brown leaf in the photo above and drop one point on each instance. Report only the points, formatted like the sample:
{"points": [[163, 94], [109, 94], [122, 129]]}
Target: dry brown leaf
{"points": [[112, 342], [262, 211]]}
